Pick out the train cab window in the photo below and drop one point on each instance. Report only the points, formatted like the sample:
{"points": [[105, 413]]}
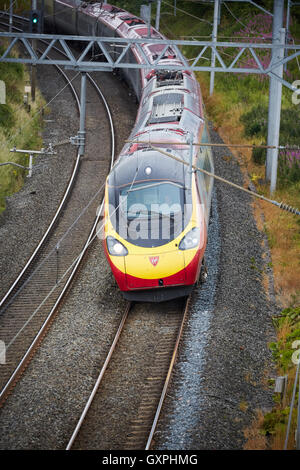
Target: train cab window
{"points": [[160, 198]]}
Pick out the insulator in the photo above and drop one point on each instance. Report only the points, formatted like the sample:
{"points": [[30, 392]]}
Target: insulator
{"points": [[291, 209]]}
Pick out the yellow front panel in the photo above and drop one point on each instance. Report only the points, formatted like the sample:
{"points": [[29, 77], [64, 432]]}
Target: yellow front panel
{"points": [[162, 264]]}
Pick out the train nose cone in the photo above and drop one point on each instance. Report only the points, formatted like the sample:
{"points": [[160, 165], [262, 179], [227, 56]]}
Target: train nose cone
{"points": [[159, 269]]}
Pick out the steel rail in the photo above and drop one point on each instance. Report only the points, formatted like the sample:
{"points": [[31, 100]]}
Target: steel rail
{"points": [[71, 181], [167, 381], [22, 364], [57, 213], [100, 377], [104, 368]]}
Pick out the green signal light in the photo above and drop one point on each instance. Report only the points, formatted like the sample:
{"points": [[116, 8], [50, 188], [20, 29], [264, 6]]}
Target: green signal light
{"points": [[34, 20]]}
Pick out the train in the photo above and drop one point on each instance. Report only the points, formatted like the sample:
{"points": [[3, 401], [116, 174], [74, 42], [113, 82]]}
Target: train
{"points": [[156, 206]]}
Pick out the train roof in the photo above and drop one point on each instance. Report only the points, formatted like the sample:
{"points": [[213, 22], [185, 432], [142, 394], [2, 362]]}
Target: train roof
{"points": [[148, 165]]}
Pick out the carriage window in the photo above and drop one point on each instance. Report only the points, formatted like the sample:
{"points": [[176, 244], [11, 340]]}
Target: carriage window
{"points": [[204, 161]]}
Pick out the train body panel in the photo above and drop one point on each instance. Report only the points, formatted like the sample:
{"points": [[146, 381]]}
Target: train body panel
{"points": [[156, 209]]}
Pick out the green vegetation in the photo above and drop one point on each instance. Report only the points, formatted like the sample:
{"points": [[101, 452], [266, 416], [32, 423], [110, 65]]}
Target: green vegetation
{"points": [[256, 125], [286, 354], [19, 127], [283, 350], [18, 6]]}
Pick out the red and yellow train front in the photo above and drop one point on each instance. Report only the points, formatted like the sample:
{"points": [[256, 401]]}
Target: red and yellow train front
{"points": [[151, 269]]}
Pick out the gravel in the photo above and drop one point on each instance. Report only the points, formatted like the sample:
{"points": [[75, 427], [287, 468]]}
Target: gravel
{"points": [[220, 378], [29, 212]]}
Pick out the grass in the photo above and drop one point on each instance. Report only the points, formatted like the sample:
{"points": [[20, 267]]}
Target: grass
{"points": [[286, 352], [19, 127]]}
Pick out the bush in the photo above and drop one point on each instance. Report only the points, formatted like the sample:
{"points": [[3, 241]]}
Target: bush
{"points": [[256, 121], [7, 118], [256, 125], [259, 155]]}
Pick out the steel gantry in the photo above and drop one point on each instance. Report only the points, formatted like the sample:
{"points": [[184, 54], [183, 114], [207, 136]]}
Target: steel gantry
{"points": [[108, 60]]}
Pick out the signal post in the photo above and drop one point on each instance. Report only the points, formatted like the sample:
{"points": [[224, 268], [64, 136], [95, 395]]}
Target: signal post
{"points": [[35, 26]]}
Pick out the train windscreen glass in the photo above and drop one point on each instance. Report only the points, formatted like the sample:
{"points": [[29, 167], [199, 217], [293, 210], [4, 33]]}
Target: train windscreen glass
{"points": [[146, 200]]}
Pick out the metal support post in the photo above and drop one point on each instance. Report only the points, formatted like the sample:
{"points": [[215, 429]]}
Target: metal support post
{"points": [[275, 94], [30, 166], [157, 20], [81, 133], [149, 19], [214, 39], [292, 408], [298, 419], [33, 75], [287, 28], [10, 15], [275, 125], [33, 67], [31, 153]]}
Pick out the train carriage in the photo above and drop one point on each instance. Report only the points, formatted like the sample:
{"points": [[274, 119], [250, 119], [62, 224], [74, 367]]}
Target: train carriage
{"points": [[156, 208]]}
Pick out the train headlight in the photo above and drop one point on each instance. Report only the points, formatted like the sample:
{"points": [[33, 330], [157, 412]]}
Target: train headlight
{"points": [[190, 240], [115, 247]]}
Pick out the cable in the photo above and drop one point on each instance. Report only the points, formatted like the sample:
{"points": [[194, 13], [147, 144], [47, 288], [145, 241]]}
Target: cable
{"points": [[5, 12], [239, 21], [281, 205], [203, 144], [186, 13], [69, 267]]}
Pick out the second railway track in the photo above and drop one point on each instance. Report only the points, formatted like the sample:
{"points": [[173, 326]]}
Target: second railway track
{"points": [[132, 391], [123, 409], [31, 301]]}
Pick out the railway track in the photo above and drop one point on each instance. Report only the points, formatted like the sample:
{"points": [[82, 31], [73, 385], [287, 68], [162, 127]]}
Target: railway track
{"points": [[141, 403], [128, 384], [30, 305]]}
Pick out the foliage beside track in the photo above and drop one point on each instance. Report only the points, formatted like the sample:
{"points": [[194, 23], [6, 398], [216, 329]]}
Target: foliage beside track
{"points": [[285, 354], [19, 126]]}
